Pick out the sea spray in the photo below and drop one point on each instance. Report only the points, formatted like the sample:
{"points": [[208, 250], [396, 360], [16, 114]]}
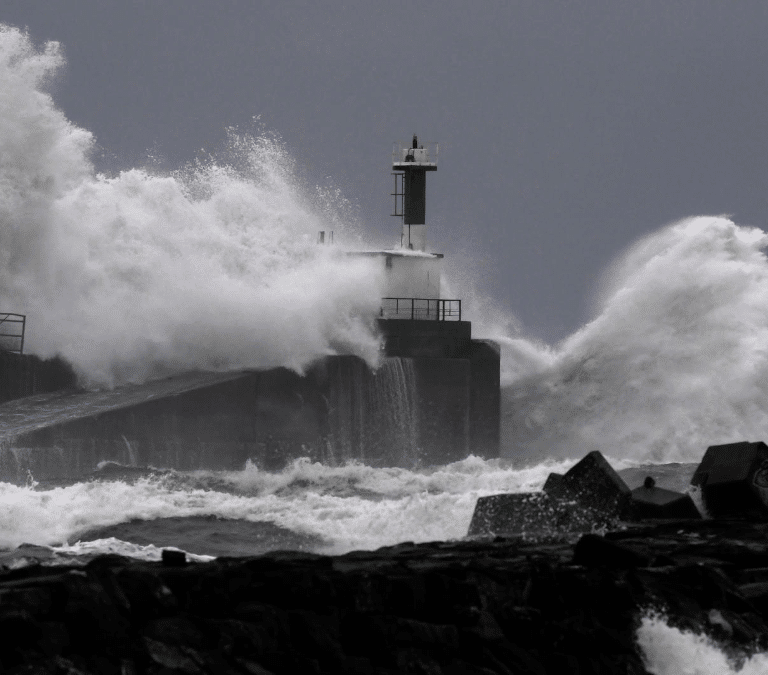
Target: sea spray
{"points": [[668, 650], [372, 414], [675, 361], [211, 267], [394, 393]]}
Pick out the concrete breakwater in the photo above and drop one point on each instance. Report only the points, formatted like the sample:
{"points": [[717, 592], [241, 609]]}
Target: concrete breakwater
{"points": [[26, 375], [501, 606], [409, 412]]}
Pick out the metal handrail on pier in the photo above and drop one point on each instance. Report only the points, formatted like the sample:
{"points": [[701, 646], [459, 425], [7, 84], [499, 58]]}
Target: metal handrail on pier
{"points": [[423, 309], [12, 335]]}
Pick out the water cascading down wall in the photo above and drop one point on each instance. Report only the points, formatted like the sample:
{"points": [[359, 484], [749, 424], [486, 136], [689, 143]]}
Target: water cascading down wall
{"points": [[409, 412]]}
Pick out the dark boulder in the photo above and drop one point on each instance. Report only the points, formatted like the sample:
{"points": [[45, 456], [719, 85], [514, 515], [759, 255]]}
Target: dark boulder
{"points": [[173, 558], [593, 550], [733, 479]]}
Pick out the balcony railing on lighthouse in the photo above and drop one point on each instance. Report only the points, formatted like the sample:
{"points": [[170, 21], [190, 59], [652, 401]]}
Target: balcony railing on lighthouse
{"points": [[423, 309], [403, 151]]}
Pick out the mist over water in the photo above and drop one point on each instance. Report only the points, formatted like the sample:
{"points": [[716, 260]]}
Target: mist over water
{"points": [[212, 267], [675, 360]]}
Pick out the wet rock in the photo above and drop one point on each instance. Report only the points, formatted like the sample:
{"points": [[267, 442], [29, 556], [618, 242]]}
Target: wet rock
{"points": [[25, 554], [178, 630], [173, 558], [595, 551], [177, 658], [733, 479], [509, 605]]}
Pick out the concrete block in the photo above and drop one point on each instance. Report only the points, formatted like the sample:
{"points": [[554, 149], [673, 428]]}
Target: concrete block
{"points": [[555, 486], [733, 479], [532, 513], [596, 486], [649, 501]]}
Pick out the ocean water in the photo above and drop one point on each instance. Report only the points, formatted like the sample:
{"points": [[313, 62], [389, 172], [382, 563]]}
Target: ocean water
{"points": [[215, 266], [308, 506]]}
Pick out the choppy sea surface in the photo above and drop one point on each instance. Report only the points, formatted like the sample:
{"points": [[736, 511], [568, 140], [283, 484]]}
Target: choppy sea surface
{"points": [[307, 506]]}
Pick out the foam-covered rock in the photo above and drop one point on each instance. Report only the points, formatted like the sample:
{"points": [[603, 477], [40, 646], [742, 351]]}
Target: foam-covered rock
{"points": [[528, 513]]}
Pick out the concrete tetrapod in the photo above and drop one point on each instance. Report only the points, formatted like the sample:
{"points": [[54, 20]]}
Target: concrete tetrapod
{"points": [[649, 501], [591, 494], [733, 479]]}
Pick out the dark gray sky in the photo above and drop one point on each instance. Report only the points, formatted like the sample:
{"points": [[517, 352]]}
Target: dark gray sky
{"points": [[566, 129]]}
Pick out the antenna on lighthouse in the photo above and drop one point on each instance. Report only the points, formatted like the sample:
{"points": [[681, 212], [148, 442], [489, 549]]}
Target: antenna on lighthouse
{"points": [[410, 163]]}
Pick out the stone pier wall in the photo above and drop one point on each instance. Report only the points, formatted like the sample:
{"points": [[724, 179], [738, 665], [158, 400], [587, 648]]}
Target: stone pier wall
{"points": [[409, 412]]}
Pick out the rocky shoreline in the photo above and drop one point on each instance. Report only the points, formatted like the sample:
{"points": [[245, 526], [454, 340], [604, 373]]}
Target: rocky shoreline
{"points": [[503, 605]]}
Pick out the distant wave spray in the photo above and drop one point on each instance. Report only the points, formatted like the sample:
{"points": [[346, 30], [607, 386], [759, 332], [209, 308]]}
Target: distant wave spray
{"points": [[212, 267], [676, 360]]}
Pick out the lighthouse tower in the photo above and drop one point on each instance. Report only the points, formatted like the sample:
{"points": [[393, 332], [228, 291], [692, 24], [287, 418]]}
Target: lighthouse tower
{"points": [[414, 319], [410, 164]]}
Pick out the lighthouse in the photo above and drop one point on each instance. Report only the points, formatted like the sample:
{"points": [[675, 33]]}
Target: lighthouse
{"points": [[410, 164], [415, 320], [434, 397]]}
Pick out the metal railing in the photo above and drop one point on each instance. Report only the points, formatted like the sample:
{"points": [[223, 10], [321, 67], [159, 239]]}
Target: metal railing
{"points": [[422, 309], [426, 152], [12, 332]]}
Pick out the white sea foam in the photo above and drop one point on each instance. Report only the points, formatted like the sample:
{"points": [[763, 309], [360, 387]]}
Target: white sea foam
{"points": [[675, 361], [350, 507], [669, 651], [68, 553], [213, 267], [470, 474]]}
